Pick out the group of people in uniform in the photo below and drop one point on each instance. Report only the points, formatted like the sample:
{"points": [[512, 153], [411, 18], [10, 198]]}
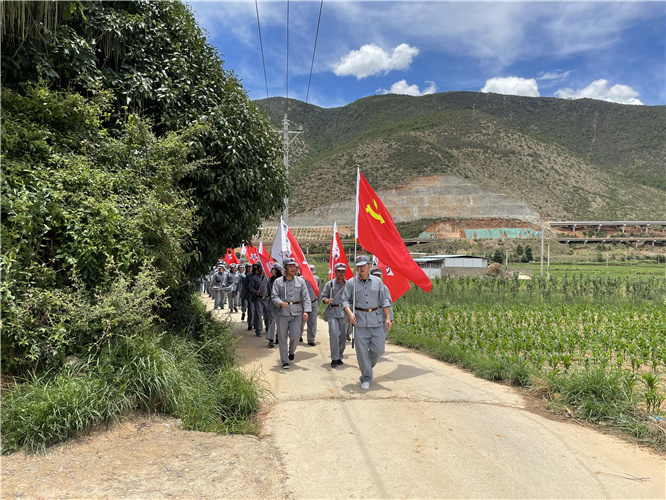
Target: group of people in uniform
{"points": [[285, 304]]}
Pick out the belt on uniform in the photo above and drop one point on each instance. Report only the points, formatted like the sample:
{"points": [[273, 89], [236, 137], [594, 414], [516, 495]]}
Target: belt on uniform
{"points": [[266, 297], [335, 305], [367, 310], [293, 303]]}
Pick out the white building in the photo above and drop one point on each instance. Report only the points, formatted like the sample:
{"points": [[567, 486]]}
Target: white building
{"points": [[436, 265]]}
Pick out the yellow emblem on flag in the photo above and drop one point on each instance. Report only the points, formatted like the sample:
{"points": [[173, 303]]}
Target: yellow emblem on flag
{"points": [[374, 214]]}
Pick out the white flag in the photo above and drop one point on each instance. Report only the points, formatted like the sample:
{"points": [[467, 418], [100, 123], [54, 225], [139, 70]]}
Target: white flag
{"points": [[281, 246]]}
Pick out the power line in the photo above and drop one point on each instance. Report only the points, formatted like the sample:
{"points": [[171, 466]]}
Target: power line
{"points": [[313, 51], [287, 57], [263, 62]]}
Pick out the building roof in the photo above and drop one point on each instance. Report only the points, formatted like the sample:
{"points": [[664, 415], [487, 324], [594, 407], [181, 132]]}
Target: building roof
{"points": [[438, 258]]}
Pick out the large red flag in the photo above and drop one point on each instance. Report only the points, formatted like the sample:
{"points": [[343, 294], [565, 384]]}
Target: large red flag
{"points": [[376, 232], [396, 283], [285, 245], [337, 255], [265, 259]]}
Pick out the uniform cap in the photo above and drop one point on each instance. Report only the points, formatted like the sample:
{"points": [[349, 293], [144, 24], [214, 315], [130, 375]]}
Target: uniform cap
{"points": [[376, 271], [341, 266], [232, 265], [362, 260], [289, 260], [256, 265], [312, 267], [277, 267]]}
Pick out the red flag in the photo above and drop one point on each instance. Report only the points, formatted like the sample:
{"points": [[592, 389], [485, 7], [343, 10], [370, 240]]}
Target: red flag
{"points": [[230, 257], [337, 255], [285, 245], [265, 259], [376, 232], [251, 254], [297, 253], [396, 283]]}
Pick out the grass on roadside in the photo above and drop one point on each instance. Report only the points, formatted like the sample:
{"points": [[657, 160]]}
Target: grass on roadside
{"points": [[164, 373]]}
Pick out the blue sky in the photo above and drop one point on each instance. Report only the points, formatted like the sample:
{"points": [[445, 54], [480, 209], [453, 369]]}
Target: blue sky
{"points": [[613, 51]]}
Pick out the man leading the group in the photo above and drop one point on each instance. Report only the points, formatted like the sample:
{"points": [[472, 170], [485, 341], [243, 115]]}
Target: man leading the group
{"points": [[291, 296], [364, 299], [334, 315]]}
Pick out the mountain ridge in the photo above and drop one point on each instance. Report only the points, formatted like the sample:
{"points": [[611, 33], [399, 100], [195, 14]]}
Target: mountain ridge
{"points": [[565, 158]]}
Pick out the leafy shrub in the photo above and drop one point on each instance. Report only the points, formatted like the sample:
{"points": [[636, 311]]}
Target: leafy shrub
{"points": [[163, 373]]}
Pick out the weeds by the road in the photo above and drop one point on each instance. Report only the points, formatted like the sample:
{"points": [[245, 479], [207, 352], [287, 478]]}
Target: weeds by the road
{"points": [[194, 378]]}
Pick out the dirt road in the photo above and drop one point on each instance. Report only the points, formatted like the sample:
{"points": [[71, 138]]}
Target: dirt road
{"points": [[424, 430]]}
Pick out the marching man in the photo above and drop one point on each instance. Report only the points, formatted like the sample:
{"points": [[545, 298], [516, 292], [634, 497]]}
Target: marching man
{"points": [[364, 300], [334, 314], [291, 297]]}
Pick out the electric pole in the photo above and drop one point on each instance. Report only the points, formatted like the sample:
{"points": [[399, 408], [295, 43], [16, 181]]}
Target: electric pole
{"points": [[287, 143], [543, 219]]}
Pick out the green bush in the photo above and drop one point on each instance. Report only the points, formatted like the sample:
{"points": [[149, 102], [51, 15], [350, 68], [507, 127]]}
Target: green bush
{"points": [[46, 325], [164, 373]]}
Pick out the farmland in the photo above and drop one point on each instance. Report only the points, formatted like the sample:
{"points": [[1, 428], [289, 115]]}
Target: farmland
{"points": [[593, 343]]}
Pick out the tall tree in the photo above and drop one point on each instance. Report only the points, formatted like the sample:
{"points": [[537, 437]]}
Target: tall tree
{"points": [[155, 59]]}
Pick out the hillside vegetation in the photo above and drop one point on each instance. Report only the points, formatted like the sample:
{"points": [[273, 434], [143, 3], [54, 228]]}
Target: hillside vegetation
{"points": [[566, 158]]}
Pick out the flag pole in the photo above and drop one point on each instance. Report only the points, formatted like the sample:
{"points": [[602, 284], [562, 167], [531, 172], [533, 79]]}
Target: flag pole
{"points": [[358, 177]]}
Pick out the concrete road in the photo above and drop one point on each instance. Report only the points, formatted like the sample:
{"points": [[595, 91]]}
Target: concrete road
{"points": [[426, 429]]}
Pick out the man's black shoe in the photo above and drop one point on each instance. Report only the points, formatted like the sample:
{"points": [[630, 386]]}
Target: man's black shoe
{"points": [[339, 361], [243, 317], [258, 334], [334, 363], [271, 343], [311, 343], [301, 339], [249, 327], [285, 366], [291, 357]]}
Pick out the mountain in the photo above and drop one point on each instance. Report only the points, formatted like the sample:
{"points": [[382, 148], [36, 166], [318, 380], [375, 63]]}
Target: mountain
{"points": [[584, 159]]}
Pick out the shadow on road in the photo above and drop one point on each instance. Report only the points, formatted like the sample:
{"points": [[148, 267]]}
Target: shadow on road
{"points": [[402, 372]]}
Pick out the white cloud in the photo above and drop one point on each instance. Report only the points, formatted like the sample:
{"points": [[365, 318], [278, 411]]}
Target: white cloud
{"points": [[598, 89], [553, 75], [497, 34], [402, 87], [371, 60], [512, 85]]}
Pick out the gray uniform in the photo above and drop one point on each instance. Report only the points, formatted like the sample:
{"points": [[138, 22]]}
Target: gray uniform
{"points": [[217, 285], [370, 331], [223, 294], [312, 318], [230, 289], [294, 292], [335, 316]]}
